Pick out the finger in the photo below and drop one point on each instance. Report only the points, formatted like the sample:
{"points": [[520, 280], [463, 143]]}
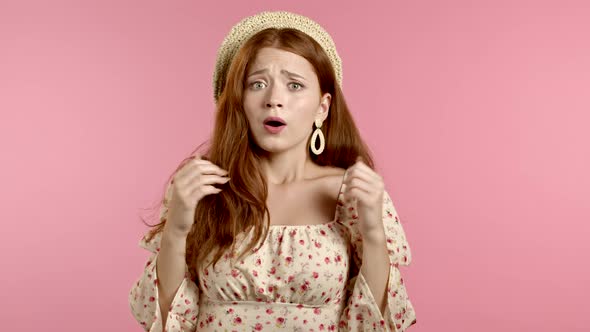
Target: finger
{"points": [[361, 185], [207, 167], [200, 161], [186, 167], [358, 194], [364, 167], [200, 167], [359, 173], [204, 179], [201, 191], [367, 198]]}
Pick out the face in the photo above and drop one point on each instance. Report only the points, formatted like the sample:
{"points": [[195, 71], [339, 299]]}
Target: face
{"points": [[284, 85]]}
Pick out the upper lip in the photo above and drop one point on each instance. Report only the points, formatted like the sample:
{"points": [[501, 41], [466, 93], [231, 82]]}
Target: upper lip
{"points": [[274, 118]]}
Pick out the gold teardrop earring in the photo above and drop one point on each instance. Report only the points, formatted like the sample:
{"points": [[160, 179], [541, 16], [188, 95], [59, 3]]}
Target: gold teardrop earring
{"points": [[318, 133]]}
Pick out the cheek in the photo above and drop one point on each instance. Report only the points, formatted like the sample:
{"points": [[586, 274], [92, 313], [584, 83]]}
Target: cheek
{"points": [[251, 119], [249, 109], [247, 103], [306, 111], [304, 124]]}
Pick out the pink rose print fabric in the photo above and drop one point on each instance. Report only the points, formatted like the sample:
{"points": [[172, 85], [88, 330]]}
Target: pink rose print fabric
{"points": [[301, 278]]}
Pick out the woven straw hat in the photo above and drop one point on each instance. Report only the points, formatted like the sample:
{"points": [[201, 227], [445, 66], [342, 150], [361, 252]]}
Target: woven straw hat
{"points": [[251, 25]]}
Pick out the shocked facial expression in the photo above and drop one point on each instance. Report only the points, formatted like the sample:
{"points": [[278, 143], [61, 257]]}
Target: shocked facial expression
{"points": [[282, 99]]}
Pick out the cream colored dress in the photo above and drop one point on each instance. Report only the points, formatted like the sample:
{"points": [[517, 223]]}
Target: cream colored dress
{"points": [[302, 278]]}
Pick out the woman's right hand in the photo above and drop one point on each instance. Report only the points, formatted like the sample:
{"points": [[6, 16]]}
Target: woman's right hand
{"points": [[191, 183]]}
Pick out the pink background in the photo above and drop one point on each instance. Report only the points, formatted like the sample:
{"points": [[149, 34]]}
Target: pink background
{"points": [[477, 113]]}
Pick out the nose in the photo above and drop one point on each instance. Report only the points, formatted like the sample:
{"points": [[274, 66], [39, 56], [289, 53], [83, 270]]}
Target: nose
{"points": [[272, 104], [273, 97]]}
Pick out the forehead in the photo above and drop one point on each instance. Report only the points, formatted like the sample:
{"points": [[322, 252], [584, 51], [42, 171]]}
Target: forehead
{"points": [[268, 57]]}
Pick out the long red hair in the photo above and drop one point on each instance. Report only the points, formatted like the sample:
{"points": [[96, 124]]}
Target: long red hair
{"points": [[241, 205]]}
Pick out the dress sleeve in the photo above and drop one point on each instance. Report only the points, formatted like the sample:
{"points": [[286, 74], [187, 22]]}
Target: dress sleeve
{"points": [[362, 311], [143, 296]]}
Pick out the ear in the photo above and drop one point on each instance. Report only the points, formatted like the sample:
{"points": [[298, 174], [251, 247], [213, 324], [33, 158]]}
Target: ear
{"points": [[324, 107]]}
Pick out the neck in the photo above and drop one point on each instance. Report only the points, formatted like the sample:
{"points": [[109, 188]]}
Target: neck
{"points": [[287, 167]]}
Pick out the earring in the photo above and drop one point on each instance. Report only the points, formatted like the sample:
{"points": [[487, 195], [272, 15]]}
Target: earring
{"points": [[318, 133]]}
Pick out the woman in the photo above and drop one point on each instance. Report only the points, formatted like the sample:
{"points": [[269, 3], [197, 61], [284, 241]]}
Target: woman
{"points": [[259, 233]]}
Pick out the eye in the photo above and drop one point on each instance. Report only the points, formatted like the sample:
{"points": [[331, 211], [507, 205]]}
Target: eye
{"points": [[257, 85], [298, 86]]}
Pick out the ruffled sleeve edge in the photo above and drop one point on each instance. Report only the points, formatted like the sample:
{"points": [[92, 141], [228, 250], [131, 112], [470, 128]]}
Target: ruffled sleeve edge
{"points": [[180, 315], [399, 312]]}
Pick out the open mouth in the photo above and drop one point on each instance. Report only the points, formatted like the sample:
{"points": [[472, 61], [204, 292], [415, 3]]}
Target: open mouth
{"points": [[274, 124]]}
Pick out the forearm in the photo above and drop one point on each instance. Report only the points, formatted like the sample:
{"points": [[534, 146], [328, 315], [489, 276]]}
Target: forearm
{"points": [[170, 268], [375, 266]]}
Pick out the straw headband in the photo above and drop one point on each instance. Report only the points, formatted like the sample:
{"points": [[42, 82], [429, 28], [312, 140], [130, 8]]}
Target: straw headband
{"points": [[251, 25]]}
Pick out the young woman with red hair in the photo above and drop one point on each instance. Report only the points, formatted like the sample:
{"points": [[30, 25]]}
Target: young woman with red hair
{"points": [[282, 223]]}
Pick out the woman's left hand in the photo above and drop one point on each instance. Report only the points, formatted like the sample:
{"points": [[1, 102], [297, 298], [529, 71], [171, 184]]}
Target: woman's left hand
{"points": [[366, 187]]}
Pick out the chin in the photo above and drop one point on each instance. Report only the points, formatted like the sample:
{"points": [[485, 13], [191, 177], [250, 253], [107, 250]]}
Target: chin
{"points": [[274, 144], [272, 148]]}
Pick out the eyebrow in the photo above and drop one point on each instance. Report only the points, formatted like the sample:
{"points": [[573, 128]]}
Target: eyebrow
{"points": [[283, 71]]}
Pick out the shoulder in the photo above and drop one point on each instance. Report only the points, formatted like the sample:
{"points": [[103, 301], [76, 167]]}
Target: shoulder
{"points": [[330, 178], [329, 171]]}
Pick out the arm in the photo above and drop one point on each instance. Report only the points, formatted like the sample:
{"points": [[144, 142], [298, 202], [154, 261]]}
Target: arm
{"points": [[170, 301], [170, 268], [375, 267], [377, 299], [144, 297]]}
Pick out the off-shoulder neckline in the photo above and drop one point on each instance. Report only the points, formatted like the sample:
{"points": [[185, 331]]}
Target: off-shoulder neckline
{"points": [[324, 224]]}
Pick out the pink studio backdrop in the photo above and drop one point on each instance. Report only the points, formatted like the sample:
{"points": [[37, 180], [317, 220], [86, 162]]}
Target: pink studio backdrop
{"points": [[477, 114]]}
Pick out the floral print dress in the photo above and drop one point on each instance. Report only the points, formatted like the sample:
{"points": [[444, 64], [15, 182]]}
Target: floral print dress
{"points": [[301, 278]]}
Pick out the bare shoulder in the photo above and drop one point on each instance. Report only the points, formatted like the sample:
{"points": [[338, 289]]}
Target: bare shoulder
{"points": [[330, 179], [329, 172]]}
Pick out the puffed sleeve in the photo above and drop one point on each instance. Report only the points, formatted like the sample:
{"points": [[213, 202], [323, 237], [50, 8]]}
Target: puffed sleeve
{"points": [[362, 311], [143, 296]]}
